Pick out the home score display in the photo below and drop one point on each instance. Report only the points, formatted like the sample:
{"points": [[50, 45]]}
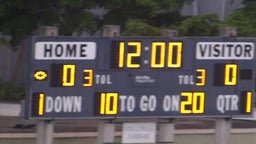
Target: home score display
{"points": [[127, 77]]}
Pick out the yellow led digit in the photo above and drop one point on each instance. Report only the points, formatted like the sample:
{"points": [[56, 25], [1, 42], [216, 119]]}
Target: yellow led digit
{"points": [[41, 104], [201, 76], [137, 53], [248, 102], [174, 63], [158, 62], [198, 102], [192, 102], [121, 55], [88, 77], [102, 103], [109, 103], [68, 77], [187, 102], [230, 74]]}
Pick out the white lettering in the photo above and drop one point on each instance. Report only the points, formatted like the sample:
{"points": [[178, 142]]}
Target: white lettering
{"points": [[225, 50], [152, 103], [234, 103], [143, 103], [227, 103], [65, 50], [48, 104], [186, 80], [122, 99], [130, 103], [102, 79], [220, 104], [57, 104], [63, 104], [127, 103], [148, 103], [171, 103]]}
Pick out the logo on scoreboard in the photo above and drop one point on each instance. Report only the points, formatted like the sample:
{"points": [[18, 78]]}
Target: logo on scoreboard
{"points": [[224, 50], [144, 79]]}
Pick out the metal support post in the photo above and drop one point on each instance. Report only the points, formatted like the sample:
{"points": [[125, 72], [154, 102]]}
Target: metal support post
{"points": [[44, 133], [111, 30], [223, 125], [106, 130], [166, 128], [228, 32], [170, 33], [223, 131], [45, 128], [166, 132], [106, 133]]}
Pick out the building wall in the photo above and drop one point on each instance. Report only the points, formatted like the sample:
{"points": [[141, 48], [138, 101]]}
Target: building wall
{"points": [[6, 55], [12, 65], [220, 7]]}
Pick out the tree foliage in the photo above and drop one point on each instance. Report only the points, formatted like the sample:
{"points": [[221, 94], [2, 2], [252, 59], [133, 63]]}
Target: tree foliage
{"points": [[20, 18], [149, 11], [205, 25], [244, 19], [135, 27]]}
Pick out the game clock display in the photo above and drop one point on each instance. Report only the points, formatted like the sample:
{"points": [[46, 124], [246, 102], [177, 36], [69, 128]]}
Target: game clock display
{"points": [[140, 77]]}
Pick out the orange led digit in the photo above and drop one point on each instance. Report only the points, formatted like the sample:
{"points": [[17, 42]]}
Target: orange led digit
{"points": [[198, 102], [174, 63], [121, 55], [230, 74], [41, 104], [201, 76], [187, 102], [88, 78], [132, 55], [158, 59], [68, 77]]}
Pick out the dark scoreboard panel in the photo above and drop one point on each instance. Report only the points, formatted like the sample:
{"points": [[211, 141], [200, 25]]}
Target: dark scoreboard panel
{"points": [[140, 77]]}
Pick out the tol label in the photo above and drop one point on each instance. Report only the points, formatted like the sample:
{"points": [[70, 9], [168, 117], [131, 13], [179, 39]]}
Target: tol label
{"points": [[199, 80], [186, 79], [102, 79]]}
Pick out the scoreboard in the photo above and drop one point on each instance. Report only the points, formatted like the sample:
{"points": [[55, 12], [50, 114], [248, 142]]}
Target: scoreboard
{"points": [[140, 77]]}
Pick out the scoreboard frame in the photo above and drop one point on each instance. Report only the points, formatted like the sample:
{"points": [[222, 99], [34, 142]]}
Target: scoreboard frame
{"points": [[140, 77]]}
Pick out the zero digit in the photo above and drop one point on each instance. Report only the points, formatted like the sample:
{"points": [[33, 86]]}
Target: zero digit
{"points": [[174, 55]]}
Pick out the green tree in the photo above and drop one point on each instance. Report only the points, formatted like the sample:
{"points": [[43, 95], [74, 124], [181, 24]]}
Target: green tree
{"points": [[135, 27], [153, 12], [20, 18], [244, 19], [205, 25]]}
